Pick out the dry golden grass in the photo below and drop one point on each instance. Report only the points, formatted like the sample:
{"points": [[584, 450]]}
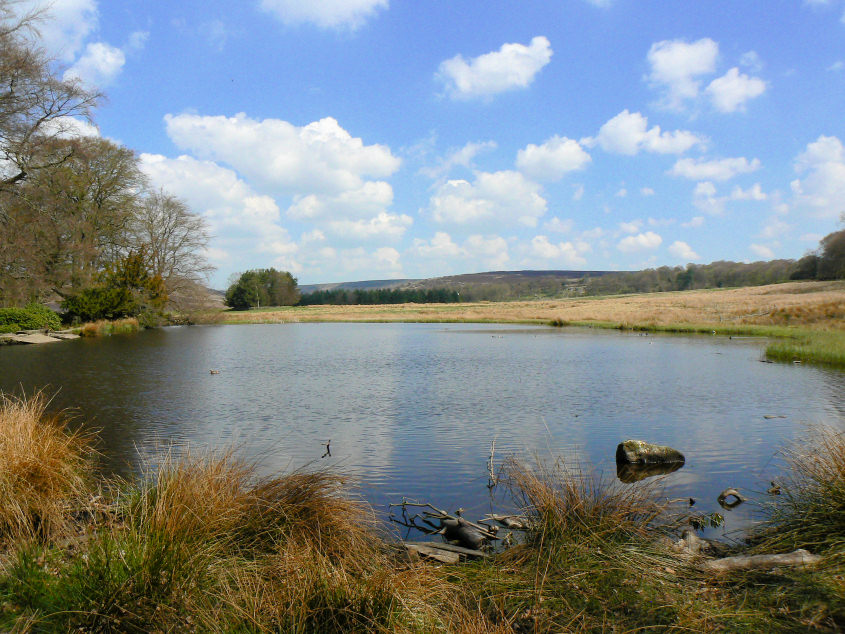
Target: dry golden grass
{"points": [[44, 470], [814, 304]]}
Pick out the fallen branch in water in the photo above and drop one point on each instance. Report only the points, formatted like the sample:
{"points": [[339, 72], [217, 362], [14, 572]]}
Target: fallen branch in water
{"points": [[435, 521]]}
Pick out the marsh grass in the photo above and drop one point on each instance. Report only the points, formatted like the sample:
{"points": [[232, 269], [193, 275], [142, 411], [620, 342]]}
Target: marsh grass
{"points": [[105, 328], [45, 470]]}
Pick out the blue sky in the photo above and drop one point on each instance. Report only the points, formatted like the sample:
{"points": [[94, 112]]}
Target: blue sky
{"points": [[364, 139]]}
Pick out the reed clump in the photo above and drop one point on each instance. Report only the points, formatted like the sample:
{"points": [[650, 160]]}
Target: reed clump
{"points": [[106, 328], [45, 470]]}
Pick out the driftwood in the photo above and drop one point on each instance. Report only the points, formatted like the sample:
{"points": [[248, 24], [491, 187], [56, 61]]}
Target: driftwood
{"points": [[513, 522], [799, 558], [729, 498], [447, 553], [435, 521]]}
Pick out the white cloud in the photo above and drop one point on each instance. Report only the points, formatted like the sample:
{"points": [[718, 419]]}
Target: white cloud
{"points": [[694, 223], [66, 26], [717, 170], [490, 251], [326, 14], [513, 66], [762, 251], [628, 133], [775, 227], [439, 247], [99, 65], [751, 60], [640, 242], [822, 188], [319, 157], [567, 253], [505, 197], [731, 91], [676, 65], [385, 226], [646, 191], [242, 220], [556, 157], [578, 194], [631, 227], [705, 199], [461, 157], [137, 40], [621, 193], [755, 192], [836, 66], [556, 225], [69, 128], [683, 251], [367, 201]]}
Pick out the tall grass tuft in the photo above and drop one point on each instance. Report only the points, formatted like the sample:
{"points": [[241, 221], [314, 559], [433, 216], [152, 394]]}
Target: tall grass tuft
{"points": [[593, 556], [810, 513], [45, 470], [105, 328]]}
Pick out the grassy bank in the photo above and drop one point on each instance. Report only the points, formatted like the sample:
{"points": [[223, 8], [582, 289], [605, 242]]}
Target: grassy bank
{"points": [[805, 320], [200, 543]]}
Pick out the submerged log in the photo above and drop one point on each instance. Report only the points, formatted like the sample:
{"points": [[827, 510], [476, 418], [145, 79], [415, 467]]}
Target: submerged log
{"points": [[429, 552], [641, 452], [799, 558], [730, 498]]}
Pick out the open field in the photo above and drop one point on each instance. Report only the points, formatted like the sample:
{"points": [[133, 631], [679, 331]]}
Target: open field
{"points": [[808, 318]]}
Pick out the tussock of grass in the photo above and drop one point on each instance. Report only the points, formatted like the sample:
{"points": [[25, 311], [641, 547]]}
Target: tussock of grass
{"points": [[810, 513], [105, 328], [44, 470]]}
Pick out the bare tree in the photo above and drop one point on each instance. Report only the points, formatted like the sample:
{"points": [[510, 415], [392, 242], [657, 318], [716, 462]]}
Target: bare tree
{"points": [[34, 102], [175, 240]]}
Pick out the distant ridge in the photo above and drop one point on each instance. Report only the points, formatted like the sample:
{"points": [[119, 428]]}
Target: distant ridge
{"points": [[453, 281]]}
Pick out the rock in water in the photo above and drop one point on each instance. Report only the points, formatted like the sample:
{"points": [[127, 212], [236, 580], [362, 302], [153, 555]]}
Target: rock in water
{"points": [[641, 452]]}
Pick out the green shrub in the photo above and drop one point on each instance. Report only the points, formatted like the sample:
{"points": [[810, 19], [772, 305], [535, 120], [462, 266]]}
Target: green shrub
{"points": [[32, 317]]}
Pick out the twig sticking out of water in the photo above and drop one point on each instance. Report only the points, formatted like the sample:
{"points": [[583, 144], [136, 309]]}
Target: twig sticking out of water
{"points": [[492, 479]]}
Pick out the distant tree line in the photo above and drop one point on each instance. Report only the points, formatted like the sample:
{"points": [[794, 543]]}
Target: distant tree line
{"points": [[381, 296], [825, 263]]}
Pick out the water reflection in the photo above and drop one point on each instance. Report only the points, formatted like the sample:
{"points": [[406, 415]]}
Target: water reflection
{"points": [[411, 409]]}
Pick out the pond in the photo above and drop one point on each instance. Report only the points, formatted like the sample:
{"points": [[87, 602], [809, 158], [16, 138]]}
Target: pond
{"points": [[411, 409]]}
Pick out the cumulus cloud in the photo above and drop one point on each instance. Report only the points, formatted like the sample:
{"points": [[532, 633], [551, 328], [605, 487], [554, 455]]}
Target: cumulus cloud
{"points": [[512, 67], [677, 65], [755, 192], [683, 251], [762, 251], [483, 251], [461, 157], [821, 189], [66, 26], [561, 253], [69, 128], [242, 219], [320, 157], [505, 197], [385, 226], [716, 170], [694, 223], [628, 133], [367, 201], [556, 157], [731, 91], [326, 14], [640, 242], [556, 225], [99, 65]]}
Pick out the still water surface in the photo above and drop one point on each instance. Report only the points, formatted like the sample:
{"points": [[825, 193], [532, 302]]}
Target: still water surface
{"points": [[411, 409]]}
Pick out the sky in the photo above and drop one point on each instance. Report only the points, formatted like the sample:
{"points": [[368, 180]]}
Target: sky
{"points": [[374, 139]]}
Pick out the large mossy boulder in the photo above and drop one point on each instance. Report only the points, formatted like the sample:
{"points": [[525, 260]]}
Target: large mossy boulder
{"points": [[641, 452]]}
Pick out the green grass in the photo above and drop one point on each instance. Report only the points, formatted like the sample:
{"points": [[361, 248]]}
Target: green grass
{"points": [[788, 343]]}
